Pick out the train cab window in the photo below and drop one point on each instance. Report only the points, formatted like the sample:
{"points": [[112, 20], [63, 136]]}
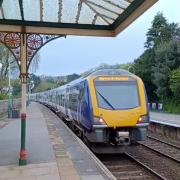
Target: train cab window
{"points": [[117, 94]]}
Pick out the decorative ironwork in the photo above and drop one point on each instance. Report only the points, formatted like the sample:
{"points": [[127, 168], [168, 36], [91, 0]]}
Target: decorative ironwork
{"points": [[34, 42], [13, 42]]}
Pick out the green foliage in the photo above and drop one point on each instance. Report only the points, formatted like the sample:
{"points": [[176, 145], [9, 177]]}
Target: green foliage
{"points": [[33, 80], [72, 77], [3, 96], [159, 64], [167, 58], [3, 88], [171, 106], [143, 68], [174, 83], [6, 59], [161, 31], [47, 85], [126, 66], [44, 85], [16, 88]]}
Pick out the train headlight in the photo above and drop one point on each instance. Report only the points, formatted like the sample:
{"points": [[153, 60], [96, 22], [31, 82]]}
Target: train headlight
{"points": [[143, 119], [99, 120]]}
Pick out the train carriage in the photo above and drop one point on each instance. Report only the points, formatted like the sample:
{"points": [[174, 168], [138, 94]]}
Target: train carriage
{"points": [[107, 107]]}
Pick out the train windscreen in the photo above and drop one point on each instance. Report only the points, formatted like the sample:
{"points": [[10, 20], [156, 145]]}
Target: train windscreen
{"points": [[117, 94]]}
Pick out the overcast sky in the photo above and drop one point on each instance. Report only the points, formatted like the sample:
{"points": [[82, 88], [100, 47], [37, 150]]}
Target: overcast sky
{"points": [[77, 54]]}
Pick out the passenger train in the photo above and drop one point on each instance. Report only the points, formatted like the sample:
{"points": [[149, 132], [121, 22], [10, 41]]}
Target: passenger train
{"points": [[107, 107]]}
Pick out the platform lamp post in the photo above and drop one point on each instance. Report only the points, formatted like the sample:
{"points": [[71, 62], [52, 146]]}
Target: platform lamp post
{"points": [[0, 67], [30, 87]]}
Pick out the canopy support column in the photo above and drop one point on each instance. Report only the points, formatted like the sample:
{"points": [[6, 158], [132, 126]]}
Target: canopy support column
{"points": [[23, 76]]}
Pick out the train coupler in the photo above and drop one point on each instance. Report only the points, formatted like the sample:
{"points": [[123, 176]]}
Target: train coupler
{"points": [[122, 138]]}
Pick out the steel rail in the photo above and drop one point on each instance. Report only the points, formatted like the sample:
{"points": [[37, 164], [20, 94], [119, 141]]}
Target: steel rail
{"points": [[146, 167], [159, 152], [142, 164], [164, 142], [104, 169]]}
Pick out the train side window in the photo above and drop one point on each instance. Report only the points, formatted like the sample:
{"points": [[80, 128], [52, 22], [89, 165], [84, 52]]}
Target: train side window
{"points": [[63, 100], [81, 91], [73, 98], [60, 99], [57, 98]]}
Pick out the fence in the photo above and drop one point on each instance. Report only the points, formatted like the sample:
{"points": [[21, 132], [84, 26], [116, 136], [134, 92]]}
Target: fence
{"points": [[4, 106]]}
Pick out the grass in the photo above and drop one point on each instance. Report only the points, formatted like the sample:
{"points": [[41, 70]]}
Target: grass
{"points": [[172, 107]]}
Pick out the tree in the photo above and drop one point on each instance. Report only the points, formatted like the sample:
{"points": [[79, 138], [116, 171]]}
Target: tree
{"points": [[6, 59], [16, 88], [167, 58], [174, 83], [35, 63], [72, 77], [161, 31], [36, 80], [160, 57], [143, 68]]}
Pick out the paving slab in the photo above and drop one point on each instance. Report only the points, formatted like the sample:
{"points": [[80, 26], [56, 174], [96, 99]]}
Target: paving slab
{"points": [[78, 160], [165, 118], [41, 171], [38, 145], [53, 151]]}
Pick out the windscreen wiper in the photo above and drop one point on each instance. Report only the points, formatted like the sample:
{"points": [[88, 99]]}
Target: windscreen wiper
{"points": [[106, 100]]}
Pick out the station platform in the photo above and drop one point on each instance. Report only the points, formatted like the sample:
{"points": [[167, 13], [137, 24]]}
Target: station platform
{"points": [[165, 119], [53, 151]]}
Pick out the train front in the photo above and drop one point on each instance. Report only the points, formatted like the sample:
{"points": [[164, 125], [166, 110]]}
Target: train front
{"points": [[120, 112]]}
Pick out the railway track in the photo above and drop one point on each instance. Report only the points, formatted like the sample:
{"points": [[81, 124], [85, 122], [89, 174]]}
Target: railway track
{"points": [[124, 166], [166, 167], [164, 148], [152, 159], [163, 141], [146, 161]]}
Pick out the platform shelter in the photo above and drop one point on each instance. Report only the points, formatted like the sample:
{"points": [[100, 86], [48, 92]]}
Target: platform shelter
{"points": [[27, 25]]}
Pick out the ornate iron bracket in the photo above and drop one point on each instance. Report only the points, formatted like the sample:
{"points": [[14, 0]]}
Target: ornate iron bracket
{"points": [[34, 42]]}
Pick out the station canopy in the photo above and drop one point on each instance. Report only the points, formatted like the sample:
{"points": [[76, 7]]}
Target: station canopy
{"points": [[70, 17]]}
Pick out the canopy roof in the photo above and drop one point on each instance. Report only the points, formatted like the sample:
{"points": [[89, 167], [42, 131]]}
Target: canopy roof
{"points": [[77, 17]]}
